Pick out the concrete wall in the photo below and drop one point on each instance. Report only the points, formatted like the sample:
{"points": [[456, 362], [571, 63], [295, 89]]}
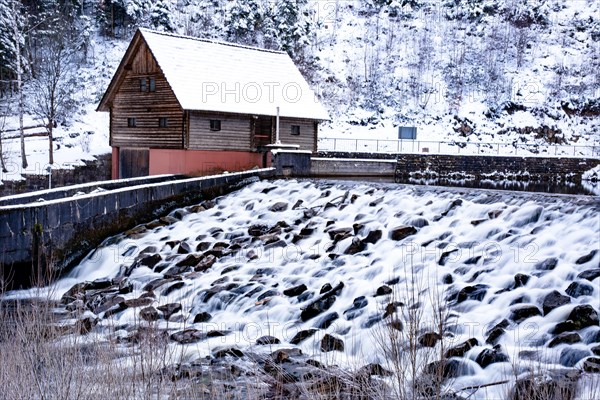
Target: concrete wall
{"points": [[202, 162], [439, 166], [47, 238], [348, 167]]}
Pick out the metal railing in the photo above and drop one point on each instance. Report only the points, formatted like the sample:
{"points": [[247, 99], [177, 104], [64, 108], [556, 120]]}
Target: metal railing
{"points": [[402, 146]]}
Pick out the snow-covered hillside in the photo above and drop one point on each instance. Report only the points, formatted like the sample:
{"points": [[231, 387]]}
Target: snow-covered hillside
{"points": [[511, 72]]}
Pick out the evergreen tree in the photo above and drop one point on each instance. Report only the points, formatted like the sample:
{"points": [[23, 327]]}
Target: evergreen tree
{"points": [[243, 21], [161, 15], [293, 25]]}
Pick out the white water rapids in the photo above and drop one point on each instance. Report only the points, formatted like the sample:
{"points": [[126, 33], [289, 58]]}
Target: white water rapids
{"points": [[486, 239]]}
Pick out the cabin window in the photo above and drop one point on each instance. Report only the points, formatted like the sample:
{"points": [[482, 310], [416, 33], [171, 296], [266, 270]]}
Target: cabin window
{"points": [[215, 124], [296, 130], [162, 122], [131, 122], [148, 84]]}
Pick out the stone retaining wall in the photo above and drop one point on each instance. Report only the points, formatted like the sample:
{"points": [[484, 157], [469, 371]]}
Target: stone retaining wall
{"points": [[95, 170], [45, 239], [540, 169]]}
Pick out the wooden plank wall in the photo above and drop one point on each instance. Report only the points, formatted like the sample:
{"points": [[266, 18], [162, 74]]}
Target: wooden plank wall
{"points": [[146, 107], [235, 132], [308, 133]]}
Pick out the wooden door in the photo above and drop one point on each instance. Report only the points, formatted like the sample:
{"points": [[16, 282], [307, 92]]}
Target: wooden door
{"points": [[133, 162], [263, 129]]}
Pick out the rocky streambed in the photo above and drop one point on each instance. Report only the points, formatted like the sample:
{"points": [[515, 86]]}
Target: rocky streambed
{"points": [[347, 289]]}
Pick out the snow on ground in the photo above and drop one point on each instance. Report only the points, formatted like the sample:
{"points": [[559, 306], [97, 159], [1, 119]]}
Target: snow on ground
{"points": [[83, 136]]}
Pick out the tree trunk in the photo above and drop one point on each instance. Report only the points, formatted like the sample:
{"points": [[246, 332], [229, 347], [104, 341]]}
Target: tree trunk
{"points": [[19, 80], [51, 147]]}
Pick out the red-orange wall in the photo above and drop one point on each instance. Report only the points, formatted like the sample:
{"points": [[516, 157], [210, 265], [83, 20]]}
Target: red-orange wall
{"points": [[201, 162]]}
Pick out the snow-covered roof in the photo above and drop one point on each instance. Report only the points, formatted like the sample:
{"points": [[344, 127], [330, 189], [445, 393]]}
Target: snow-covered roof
{"points": [[208, 75]]}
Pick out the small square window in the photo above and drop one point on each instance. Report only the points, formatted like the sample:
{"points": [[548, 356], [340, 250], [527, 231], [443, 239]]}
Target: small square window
{"points": [[152, 84], [131, 122], [162, 122], [215, 124], [296, 130], [143, 84]]}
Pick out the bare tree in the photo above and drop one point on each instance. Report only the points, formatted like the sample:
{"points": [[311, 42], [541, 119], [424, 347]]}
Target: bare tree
{"points": [[53, 88], [15, 21]]}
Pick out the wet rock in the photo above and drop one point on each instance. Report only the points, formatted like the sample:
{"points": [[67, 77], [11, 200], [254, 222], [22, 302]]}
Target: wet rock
{"points": [[587, 258], [155, 284], [383, 290], [565, 338], [445, 256], [187, 336], [190, 261], [331, 343], [267, 294], [592, 365], [202, 317], [402, 232], [302, 336], [76, 292], [358, 303], [549, 385], [267, 340], [520, 313], [325, 288], [476, 292], [494, 336], [429, 339], [372, 320], [419, 222], [203, 246], [205, 263], [547, 265], [169, 309], [491, 356], [583, 316], [355, 247], [173, 287], [452, 368], [139, 302], [227, 352], [176, 271], [391, 308], [447, 279], [339, 234], [148, 260], [184, 248], [596, 350], [327, 320], [521, 280], [461, 349], [590, 274], [317, 307], [149, 314], [578, 289], [373, 236], [374, 369], [554, 300], [570, 356], [258, 230], [397, 324], [295, 291]]}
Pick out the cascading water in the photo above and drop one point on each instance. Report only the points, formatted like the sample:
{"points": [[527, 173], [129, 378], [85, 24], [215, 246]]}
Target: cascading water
{"points": [[341, 269]]}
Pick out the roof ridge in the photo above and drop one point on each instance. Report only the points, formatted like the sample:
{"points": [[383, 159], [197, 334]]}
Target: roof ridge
{"points": [[220, 42]]}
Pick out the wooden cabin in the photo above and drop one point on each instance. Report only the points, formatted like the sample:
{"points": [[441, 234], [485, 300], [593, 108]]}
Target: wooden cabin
{"points": [[185, 105]]}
